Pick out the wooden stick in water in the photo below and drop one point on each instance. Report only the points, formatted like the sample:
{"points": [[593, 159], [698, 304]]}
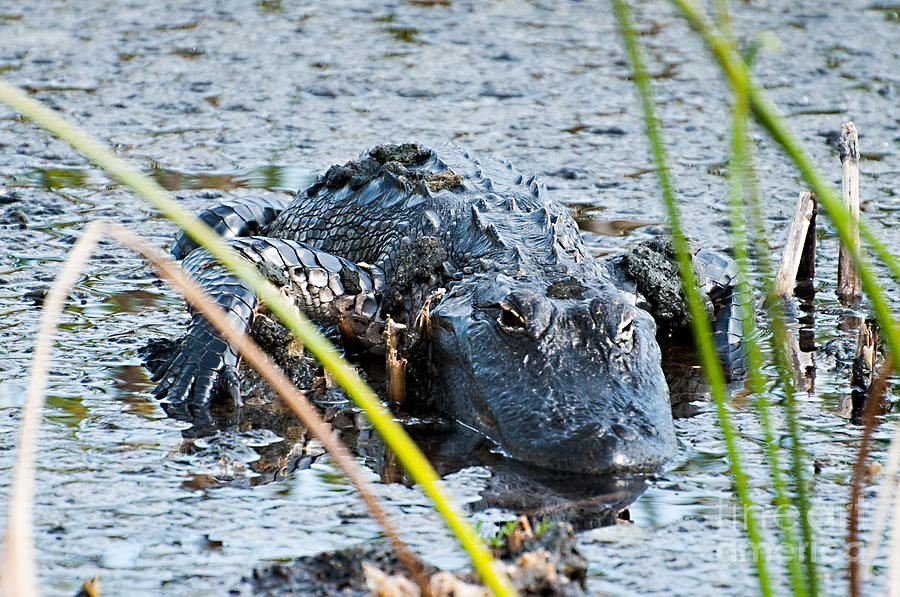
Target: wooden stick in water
{"points": [[806, 271], [794, 247], [394, 363], [848, 280]]}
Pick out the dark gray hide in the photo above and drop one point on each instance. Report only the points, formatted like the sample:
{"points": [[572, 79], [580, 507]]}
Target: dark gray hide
{"points": [[531, 344]]}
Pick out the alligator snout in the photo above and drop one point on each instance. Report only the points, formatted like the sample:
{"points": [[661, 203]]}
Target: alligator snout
{"points": [[585, 395]]}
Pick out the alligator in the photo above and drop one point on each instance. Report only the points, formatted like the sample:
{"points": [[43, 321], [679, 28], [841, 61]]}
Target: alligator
{"points": [[512, 327]]}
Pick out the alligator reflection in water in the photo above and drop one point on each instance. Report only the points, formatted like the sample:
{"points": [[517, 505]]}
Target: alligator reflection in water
{"points": [[585, 501]]}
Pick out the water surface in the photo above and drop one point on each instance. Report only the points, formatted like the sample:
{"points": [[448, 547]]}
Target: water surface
{"points": [[238, 99]]}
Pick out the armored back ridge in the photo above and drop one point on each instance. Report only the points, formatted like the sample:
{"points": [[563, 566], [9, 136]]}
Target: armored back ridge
{"points": [[518, 331]]}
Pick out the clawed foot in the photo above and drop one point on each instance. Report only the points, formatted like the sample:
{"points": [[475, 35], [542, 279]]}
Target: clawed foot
{"points": [[197, 378]]}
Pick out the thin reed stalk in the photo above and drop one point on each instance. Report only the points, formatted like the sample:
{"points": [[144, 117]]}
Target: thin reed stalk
{"points": [[408, 454], [700, 324], [785, 380], [873, 402], [765, 114], [254, 355], [784, 377], [19, 573], [886, 493], [893, 565], [739, 165]]}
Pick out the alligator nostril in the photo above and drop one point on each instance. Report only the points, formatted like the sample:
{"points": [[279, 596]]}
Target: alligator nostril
{"points": [[626, 434]]}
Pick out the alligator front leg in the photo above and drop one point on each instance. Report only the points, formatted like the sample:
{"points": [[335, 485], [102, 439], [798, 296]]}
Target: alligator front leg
{"points": [[244, 217], [325, 287]]}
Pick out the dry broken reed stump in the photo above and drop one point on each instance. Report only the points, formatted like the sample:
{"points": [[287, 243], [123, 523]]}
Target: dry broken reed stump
{"points": [[863, 370], [800, 247], [848, 146]]}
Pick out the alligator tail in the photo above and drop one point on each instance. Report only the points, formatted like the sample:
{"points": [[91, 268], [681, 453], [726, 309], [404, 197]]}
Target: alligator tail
{"points": [[245, 217], [718, 281]]}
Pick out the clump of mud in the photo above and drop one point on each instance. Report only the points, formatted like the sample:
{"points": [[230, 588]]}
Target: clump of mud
{"points": [[408, 154], [405, 162], [445, 180], [419, 263], [287, 352], [546, 565], [332, 573], [654, 268]]}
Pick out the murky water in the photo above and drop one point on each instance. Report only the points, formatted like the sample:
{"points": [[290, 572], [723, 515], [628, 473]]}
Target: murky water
{"points": [[239, 99]]}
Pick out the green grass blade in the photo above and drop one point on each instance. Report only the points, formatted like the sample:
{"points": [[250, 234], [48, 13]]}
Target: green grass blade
{"points": [[775, 314], [700, 324], [738, 167], [393, 434], [766, 115], [783, 368]]}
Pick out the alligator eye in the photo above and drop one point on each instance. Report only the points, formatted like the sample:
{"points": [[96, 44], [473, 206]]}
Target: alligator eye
{"points": [[511, 321]]}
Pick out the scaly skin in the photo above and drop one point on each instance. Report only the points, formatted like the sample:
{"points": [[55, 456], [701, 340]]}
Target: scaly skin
{"points": [[525, 337]]}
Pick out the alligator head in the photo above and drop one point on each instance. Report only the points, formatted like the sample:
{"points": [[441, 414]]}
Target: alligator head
{"points": [[560, 375]]}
